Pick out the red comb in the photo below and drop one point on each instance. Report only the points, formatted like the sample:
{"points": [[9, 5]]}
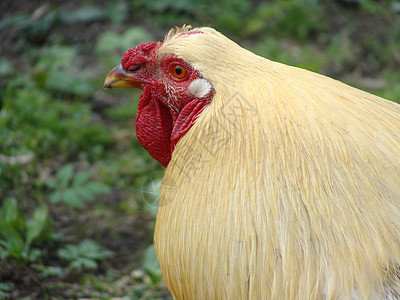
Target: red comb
{"points": [[139, 55]]}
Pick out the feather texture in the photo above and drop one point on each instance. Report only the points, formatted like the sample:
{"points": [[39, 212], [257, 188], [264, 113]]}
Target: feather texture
{"points": [[286, 187]]}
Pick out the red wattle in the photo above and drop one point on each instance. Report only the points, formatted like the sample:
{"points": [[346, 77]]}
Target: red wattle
{"points": [[154, 126], [187, 117]]}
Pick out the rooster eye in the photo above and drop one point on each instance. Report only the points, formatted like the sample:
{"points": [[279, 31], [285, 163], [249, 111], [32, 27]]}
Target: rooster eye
{"points": [[177, 71]]}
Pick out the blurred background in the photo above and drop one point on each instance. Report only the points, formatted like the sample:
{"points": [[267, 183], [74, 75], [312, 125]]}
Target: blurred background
{"points": [[78, 195]]}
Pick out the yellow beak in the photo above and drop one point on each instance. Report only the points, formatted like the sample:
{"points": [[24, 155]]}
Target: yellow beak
{"points": [[120, 78]]}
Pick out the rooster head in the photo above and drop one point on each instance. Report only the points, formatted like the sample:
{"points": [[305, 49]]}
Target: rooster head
{"points": [[174, 94]]}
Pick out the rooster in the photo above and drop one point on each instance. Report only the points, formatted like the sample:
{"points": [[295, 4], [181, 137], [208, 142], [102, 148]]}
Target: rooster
{"points": [[280, 183]]}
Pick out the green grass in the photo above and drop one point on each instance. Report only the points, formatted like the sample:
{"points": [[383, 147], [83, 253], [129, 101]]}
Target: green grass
{"points": [[75, 185]]}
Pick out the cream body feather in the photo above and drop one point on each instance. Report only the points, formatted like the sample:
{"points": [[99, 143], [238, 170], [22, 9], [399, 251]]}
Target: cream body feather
{"points": [[286, 187]]}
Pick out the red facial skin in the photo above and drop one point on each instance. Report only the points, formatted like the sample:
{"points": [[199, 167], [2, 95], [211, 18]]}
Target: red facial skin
{"points": [[166, 109]]}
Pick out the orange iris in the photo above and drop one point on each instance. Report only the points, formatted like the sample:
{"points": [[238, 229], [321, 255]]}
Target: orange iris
{"points": [[177, 71]]}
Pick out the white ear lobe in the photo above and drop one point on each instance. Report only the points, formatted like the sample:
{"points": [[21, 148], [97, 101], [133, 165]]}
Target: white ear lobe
{"points": [[199, 88]]}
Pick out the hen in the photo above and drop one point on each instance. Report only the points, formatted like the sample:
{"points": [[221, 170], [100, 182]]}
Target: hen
{"points": [[280, 183]]}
